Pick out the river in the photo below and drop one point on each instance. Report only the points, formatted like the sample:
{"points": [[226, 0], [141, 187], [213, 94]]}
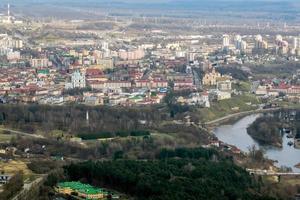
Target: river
{"points": [[236, 134]]}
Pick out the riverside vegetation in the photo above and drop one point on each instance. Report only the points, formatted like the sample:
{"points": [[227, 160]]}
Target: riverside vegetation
{"points": [[269, 128]]}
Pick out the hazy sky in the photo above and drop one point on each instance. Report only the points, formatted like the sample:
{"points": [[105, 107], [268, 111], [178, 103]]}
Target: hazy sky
{"points": [[192, 4], [140, 1], [150, 1], [269, 9]]}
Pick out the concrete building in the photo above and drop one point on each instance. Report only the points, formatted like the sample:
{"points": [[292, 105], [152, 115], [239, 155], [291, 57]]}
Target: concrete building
{"points": [[134, 54], [13, 56], [239, 43], [296, 45], [260, 43], [105, 63], [296, 42], [216, 95], [224, 85], [40, 62], [226, 42], [78, 79], [281, 45]]}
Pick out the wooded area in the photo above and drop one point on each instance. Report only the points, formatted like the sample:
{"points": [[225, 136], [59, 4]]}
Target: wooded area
{"points": [[194, 174]]}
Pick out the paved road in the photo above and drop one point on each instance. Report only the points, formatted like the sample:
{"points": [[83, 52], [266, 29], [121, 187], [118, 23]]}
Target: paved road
{"points": [[271, 173], [21, 133], [27, 187], [197, 80], [239, 114]]}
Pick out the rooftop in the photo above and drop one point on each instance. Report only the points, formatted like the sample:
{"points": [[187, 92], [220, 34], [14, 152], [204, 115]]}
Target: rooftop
{"points": [[80, 187]]}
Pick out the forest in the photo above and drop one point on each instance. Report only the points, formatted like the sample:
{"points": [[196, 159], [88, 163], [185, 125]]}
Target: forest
{"points": [[266, 131], [185, 174]]}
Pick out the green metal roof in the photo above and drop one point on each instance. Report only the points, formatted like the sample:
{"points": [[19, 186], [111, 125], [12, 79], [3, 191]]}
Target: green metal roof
{"points": [[80, 187], [43, 71], [136, 98]]}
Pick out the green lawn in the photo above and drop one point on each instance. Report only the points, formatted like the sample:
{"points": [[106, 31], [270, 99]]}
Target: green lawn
{"points": [[242, 86], [224, 107]]}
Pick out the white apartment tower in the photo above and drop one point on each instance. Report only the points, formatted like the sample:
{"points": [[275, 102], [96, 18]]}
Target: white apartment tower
{"points": [[226, 41], [260, 43], [296, 44], [239, 43], [78, 79]]}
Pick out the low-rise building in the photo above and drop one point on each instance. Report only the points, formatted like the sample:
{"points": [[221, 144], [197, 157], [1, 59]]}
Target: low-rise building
{"points": [[40, 62], [224, 85], [219, 95], [82, 190]]}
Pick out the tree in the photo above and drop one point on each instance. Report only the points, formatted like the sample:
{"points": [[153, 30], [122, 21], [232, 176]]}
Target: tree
{"points": [[14, 185], [256, 154]]}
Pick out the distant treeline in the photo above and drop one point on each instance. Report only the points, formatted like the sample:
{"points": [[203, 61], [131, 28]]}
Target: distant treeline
{"points": [[278, 70], [195, 153], [107, 134], [235, 72], [73, 118]]}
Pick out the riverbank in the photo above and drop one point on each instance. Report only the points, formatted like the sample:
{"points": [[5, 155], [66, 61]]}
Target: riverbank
{"points": [[266, 130], [212, 124], [237, 135]]}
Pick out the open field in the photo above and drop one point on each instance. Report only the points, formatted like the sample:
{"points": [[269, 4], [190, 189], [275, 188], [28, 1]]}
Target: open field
{"points": [[5, 137], [225, 107], [14, 166]]}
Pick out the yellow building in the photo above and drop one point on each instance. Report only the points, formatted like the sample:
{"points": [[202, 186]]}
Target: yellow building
{"points": [[210, 78], [104, 64]]}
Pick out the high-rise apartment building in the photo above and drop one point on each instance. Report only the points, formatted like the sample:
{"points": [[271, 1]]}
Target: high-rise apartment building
{"points": [[226, 41]]}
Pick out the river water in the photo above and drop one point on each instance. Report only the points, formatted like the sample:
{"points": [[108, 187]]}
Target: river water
{"points": [[236, 134]]}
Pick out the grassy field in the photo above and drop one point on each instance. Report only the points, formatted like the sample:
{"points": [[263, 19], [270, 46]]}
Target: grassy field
{"points": [[5, 137], [225, 107], [287, 187], [14, 166], [242, 86]]}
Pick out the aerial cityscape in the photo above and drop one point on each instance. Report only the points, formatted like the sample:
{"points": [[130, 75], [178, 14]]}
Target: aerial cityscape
{"points": [[150, 100]]}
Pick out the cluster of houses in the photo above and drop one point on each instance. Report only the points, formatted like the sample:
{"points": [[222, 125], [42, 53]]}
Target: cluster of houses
{"points": [[94, 87], [276, 88], [217, 87]]}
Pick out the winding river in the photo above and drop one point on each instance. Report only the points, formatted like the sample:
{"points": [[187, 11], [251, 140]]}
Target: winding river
{"points": [[236, 134]]}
